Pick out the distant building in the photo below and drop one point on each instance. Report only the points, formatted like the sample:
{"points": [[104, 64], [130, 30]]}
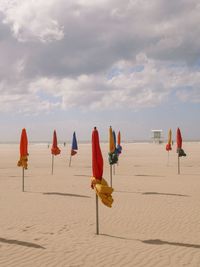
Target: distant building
{"points": [[157, 136]]}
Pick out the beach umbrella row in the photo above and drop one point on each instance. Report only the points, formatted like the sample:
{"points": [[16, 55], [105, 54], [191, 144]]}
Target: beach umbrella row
{"points": [[56, 151], [98, 183]]}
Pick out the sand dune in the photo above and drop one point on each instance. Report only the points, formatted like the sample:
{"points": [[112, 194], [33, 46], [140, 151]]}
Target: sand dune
{"points": [[154, 220]]}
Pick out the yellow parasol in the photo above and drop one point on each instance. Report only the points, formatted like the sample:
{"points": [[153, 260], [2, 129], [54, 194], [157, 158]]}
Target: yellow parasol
{"points": [[111, 141]]}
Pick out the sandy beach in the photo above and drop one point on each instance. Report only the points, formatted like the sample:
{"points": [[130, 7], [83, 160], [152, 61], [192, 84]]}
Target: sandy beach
{"points": [[154, 220]]}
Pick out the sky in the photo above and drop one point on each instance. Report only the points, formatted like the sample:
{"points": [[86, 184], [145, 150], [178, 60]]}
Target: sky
{"points": [[72, 65]]}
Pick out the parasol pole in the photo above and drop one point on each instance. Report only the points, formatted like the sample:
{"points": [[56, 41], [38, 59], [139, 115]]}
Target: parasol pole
{"points": [[23, 179], [168, 159], [114, 169], [97, 215], [178, 164], [111, 175], [70, 160], [52, 164]]}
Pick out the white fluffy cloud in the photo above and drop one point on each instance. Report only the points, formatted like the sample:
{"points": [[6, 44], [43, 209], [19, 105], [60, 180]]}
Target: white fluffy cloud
{"points": [[134, 86], [32, 20], [94, 54]]}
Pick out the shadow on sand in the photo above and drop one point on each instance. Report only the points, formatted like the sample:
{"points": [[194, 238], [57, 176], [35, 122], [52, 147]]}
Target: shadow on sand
{"points": [[64, 194], [156, 242], [149, 175], [162, 242], [82, 175], [153, 193], [118, 237], [20, 243], [164, 194], [129, 192]]}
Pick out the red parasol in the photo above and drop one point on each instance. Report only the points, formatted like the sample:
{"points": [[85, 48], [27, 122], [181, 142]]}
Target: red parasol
{"points": [[97, 159], [179, 139], [23, 150], [55, 149], [180, 151], [98, 183]]}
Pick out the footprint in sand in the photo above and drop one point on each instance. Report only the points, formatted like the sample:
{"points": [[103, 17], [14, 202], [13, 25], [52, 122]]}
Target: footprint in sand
{"points": [[47, 233], [63, 229], [37, 239]]}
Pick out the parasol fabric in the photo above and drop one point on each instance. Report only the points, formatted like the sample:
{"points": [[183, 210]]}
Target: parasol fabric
{"points": [[103, 190], [23, 161], [111, 141], [114, 138], [74, 145], [97, 159], [180, 151], [55, 149], [98, 183], [169, 142], [112, 155], [179, 139], [119, 147]]}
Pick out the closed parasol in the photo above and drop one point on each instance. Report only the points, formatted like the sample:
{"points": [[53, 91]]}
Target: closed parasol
{"points": [[55, 150], [23, 161], [98, 183], [74, 148], [180, 151]]}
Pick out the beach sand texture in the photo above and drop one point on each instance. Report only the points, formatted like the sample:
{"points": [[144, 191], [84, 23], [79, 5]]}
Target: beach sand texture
{"points": [[154, 221]]}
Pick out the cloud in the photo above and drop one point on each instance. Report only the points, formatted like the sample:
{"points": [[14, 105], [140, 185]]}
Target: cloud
{"points": [[30, 20], [189, 94], [142, 84], [98, 54]]}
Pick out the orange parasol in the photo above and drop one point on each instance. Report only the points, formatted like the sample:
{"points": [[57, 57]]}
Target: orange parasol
{"points": [[23, 161], [119, 147], [119, 138]]}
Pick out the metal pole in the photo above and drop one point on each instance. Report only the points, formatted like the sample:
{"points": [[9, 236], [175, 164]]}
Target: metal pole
{"points": [[52, 164], [23, 179], [114, 169], [70, 160], [97, 215], [178, 164], [168, 159], [111, 175]]}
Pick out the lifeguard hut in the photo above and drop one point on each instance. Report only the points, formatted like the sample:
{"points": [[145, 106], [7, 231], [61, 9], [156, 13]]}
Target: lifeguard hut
{"points": [[157, 136]]}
